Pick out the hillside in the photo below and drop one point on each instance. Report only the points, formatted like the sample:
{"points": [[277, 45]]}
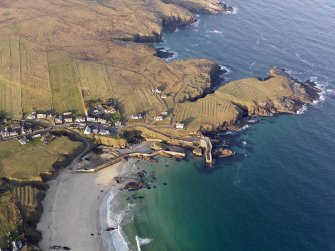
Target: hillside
{"points": [[57, 55], [279, 93]]}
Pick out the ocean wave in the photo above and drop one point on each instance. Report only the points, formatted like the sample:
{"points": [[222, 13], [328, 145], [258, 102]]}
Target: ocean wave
{"points": [[226, 69], [330, 91], [252, 121], [322, 86], [196, 23], [230, 133], [141, 241], [302, 110], [243, 128], [215, 32], [233, 12]]}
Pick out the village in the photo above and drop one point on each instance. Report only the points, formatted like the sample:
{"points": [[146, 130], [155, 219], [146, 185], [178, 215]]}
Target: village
{"points": [[101, 118]]}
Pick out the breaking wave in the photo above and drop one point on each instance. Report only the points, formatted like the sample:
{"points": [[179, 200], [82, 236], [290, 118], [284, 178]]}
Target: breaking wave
{"points": [[215, 32], [302, 110], [141, 241], [233, 12]]}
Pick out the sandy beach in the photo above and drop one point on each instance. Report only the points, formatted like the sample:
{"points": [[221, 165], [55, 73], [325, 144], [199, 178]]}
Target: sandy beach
{"points": [[71, 216]]}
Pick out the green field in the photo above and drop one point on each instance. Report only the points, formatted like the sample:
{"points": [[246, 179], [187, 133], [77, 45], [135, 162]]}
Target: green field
{"points": [[27, 163]]}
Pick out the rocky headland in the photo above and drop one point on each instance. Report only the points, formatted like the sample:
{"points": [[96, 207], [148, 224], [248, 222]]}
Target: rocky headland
{"points": [[59, 55]]}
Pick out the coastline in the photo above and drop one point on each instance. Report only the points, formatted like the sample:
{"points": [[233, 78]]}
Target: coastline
{"points": [[71, 209]]}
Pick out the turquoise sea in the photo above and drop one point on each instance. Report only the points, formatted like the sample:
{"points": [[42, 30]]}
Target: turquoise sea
{"points": [[278, 191]]}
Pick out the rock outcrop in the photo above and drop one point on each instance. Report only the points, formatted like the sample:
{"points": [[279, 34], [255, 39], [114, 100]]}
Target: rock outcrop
{"points": [[222, 153]]}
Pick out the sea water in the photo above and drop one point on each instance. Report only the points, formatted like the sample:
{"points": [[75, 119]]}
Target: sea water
{"points": [[278, 191]]}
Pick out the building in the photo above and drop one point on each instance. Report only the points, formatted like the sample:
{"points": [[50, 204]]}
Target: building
{"points": [[15, 127], [163, 96], [104, 132], [90, 119], [96, 112], [80, 119], [41, 115], [67, 114], [179, 125], [87, 130], [13, 133], [68, 120], [36, 136], [137, 116], [157, 91], [32, 116], [58, 121], [164, 113], [110, 110], [118, 124], [158, 118], [23, 141], [95, 130], [102, 121], [4, 133]]}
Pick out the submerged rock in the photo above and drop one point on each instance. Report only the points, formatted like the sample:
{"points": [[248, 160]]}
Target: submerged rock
{"points": [[134, 186], [222, 153]]}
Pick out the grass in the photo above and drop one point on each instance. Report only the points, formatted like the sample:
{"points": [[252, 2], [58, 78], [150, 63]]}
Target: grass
{"points": [[62, 54], [23, 165], [28, 162], [205, 112], [65, 83]]}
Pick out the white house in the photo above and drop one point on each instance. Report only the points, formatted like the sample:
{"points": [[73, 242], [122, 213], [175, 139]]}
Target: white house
{"points": [[104, 132], [23, 141], [179, 125], [80, 119], [58, 121], [87, 130], [32, 116], [118, 124], [4, 133], [136, 116], [36, 136], [41, 115], [68, 120], [158, 118], [90, 119], [67, 114], [13, 133], [157, 91], [163, 96], [102, 121], [164, 113]]}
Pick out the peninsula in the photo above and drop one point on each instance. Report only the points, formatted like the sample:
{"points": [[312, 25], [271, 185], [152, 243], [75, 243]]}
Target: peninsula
{"points": [[76, 74]]}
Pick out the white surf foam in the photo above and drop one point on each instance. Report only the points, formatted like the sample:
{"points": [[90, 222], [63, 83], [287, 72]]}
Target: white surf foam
{"points": [[233, 12], [230, 133], [243, 128], [141, 241], [196, 23], [252, 121], [330, 91], [302, 110], [226, 69], [215, 32], [322, 87]]}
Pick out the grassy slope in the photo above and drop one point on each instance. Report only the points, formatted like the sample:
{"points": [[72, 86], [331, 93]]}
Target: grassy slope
{"points": [[54, 54], [27, 162], [22, 165]]}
